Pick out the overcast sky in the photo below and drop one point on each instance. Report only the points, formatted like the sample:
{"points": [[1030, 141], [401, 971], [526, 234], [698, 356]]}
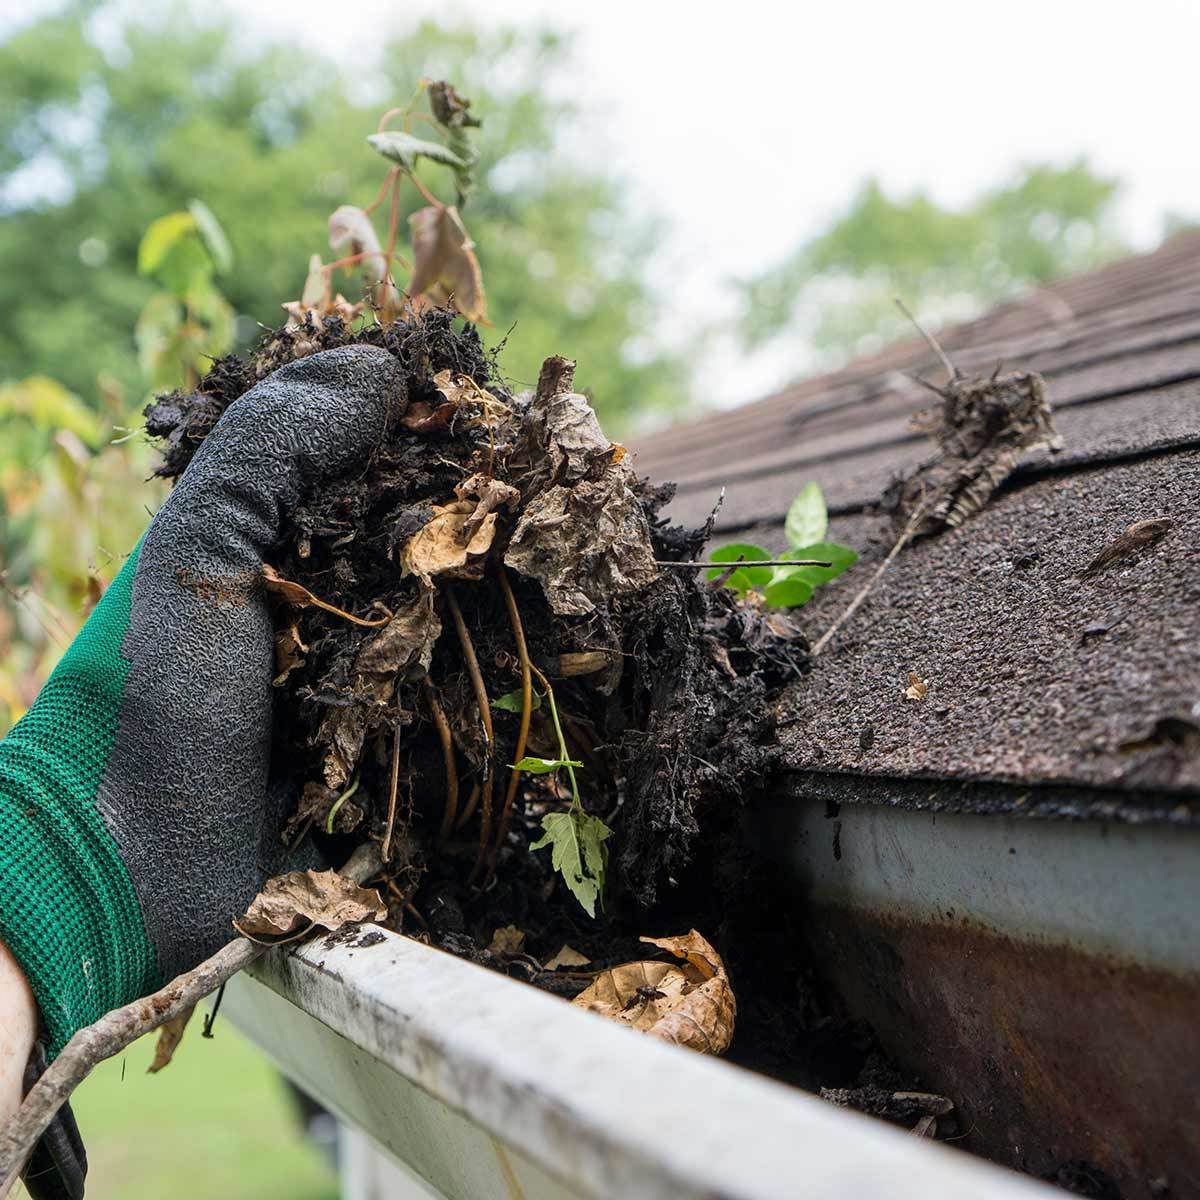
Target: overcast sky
{"points": [[801, 101]]}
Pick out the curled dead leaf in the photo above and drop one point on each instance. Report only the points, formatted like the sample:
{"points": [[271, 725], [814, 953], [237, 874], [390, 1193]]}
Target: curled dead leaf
{"points": [[289, 652], [582, 533], [690, 1004], [352, 234], [917, 689], [1135, 537], [290, 905], [444, 264], [403, 648], [443, 547], [170, 1034], [489, 495]]}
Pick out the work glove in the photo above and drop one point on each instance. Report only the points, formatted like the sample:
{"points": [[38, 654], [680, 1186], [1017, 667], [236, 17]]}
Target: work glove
{"points": [[138, 812]]}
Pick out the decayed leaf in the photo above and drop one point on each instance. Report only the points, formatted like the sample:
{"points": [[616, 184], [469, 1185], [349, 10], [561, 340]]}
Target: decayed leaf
{"points": [[442, 546], [1137, 535], [690, 1004], [289, 652], [290, 905], [403, 648], [169, 1037], [351, 233], [314, 807], [508, 939], [342, 732], [917, 689], [299, 595], [583, 662], [490, 495], [444, 262], [577, 850], [582, 533], [317, 301]]}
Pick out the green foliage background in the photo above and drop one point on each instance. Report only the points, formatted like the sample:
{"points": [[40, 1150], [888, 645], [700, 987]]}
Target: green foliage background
{"points": [[837, 291], [107, 124]]}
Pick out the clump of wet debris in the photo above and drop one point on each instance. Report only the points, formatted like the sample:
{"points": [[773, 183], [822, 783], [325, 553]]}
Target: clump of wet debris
{"points": [[489, 588]]}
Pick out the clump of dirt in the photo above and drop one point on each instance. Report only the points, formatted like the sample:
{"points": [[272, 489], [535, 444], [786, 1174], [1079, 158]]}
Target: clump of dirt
{"points": [[663, 681]]}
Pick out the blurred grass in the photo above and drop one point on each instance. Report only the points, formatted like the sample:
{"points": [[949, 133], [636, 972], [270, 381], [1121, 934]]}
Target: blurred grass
{"points": [[216, 1122]]}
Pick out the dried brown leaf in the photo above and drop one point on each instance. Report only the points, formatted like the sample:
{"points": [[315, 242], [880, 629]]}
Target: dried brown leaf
{"points": [[568, 956], [508, 939], [582, 533], [342, 732], [490, 495], [403, 648], [1135, 537], [444, 258], [917, 689], [443, 546], [690, 1004], [290, 905], [170, 1035], [351, 233], [289, 652]]}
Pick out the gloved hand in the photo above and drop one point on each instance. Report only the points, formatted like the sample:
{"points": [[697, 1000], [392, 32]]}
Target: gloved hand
{"points": [[134, 817]]}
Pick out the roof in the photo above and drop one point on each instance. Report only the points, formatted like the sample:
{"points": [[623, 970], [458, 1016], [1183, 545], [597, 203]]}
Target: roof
{"points": [[1038, 675]]}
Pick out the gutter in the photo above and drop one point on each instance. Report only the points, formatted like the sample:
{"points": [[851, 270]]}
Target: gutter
{"points": [[482, 1087]]}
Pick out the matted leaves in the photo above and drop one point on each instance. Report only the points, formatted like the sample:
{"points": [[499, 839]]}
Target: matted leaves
{"points": [[690, 1003]]}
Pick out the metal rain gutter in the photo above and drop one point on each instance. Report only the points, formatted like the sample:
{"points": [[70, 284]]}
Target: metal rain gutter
{"points": [[484, 1087]]}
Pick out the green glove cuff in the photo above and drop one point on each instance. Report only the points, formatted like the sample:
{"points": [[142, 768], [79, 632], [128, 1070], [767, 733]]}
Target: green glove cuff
{"points": [[68, 909]]}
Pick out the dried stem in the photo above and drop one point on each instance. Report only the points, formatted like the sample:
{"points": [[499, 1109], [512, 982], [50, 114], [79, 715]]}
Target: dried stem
{"points": [[855, 604], [518, 629], [122, 1027], [450, 812], [469, 808], [383, 190], [934, 344], [386, 851], [485, 711]]}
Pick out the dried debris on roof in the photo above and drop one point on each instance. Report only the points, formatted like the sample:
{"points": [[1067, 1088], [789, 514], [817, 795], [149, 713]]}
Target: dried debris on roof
{"points": [[981, 429]]}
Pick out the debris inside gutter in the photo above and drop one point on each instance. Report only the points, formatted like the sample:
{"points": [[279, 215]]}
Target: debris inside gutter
{"points": [[491, 591]]}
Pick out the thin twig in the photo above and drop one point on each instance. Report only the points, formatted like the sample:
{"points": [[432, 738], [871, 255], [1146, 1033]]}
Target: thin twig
{"points": [[518, 629], [122, 1027], [450, 812], [485, 712], [386, 851], [746, 562], [934, 345], [855, 604]]}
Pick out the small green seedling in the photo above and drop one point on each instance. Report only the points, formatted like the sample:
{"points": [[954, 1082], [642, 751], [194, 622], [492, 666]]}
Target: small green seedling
{"points": [[575, 837], [789, 587]]}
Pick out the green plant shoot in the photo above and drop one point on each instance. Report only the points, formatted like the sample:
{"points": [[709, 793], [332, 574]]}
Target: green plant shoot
{"points": [[789, 587], [575, 837]]}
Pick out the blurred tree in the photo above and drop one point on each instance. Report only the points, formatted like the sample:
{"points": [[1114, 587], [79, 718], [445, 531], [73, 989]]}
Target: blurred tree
{"points": [[107, 124], [948, 264]]}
